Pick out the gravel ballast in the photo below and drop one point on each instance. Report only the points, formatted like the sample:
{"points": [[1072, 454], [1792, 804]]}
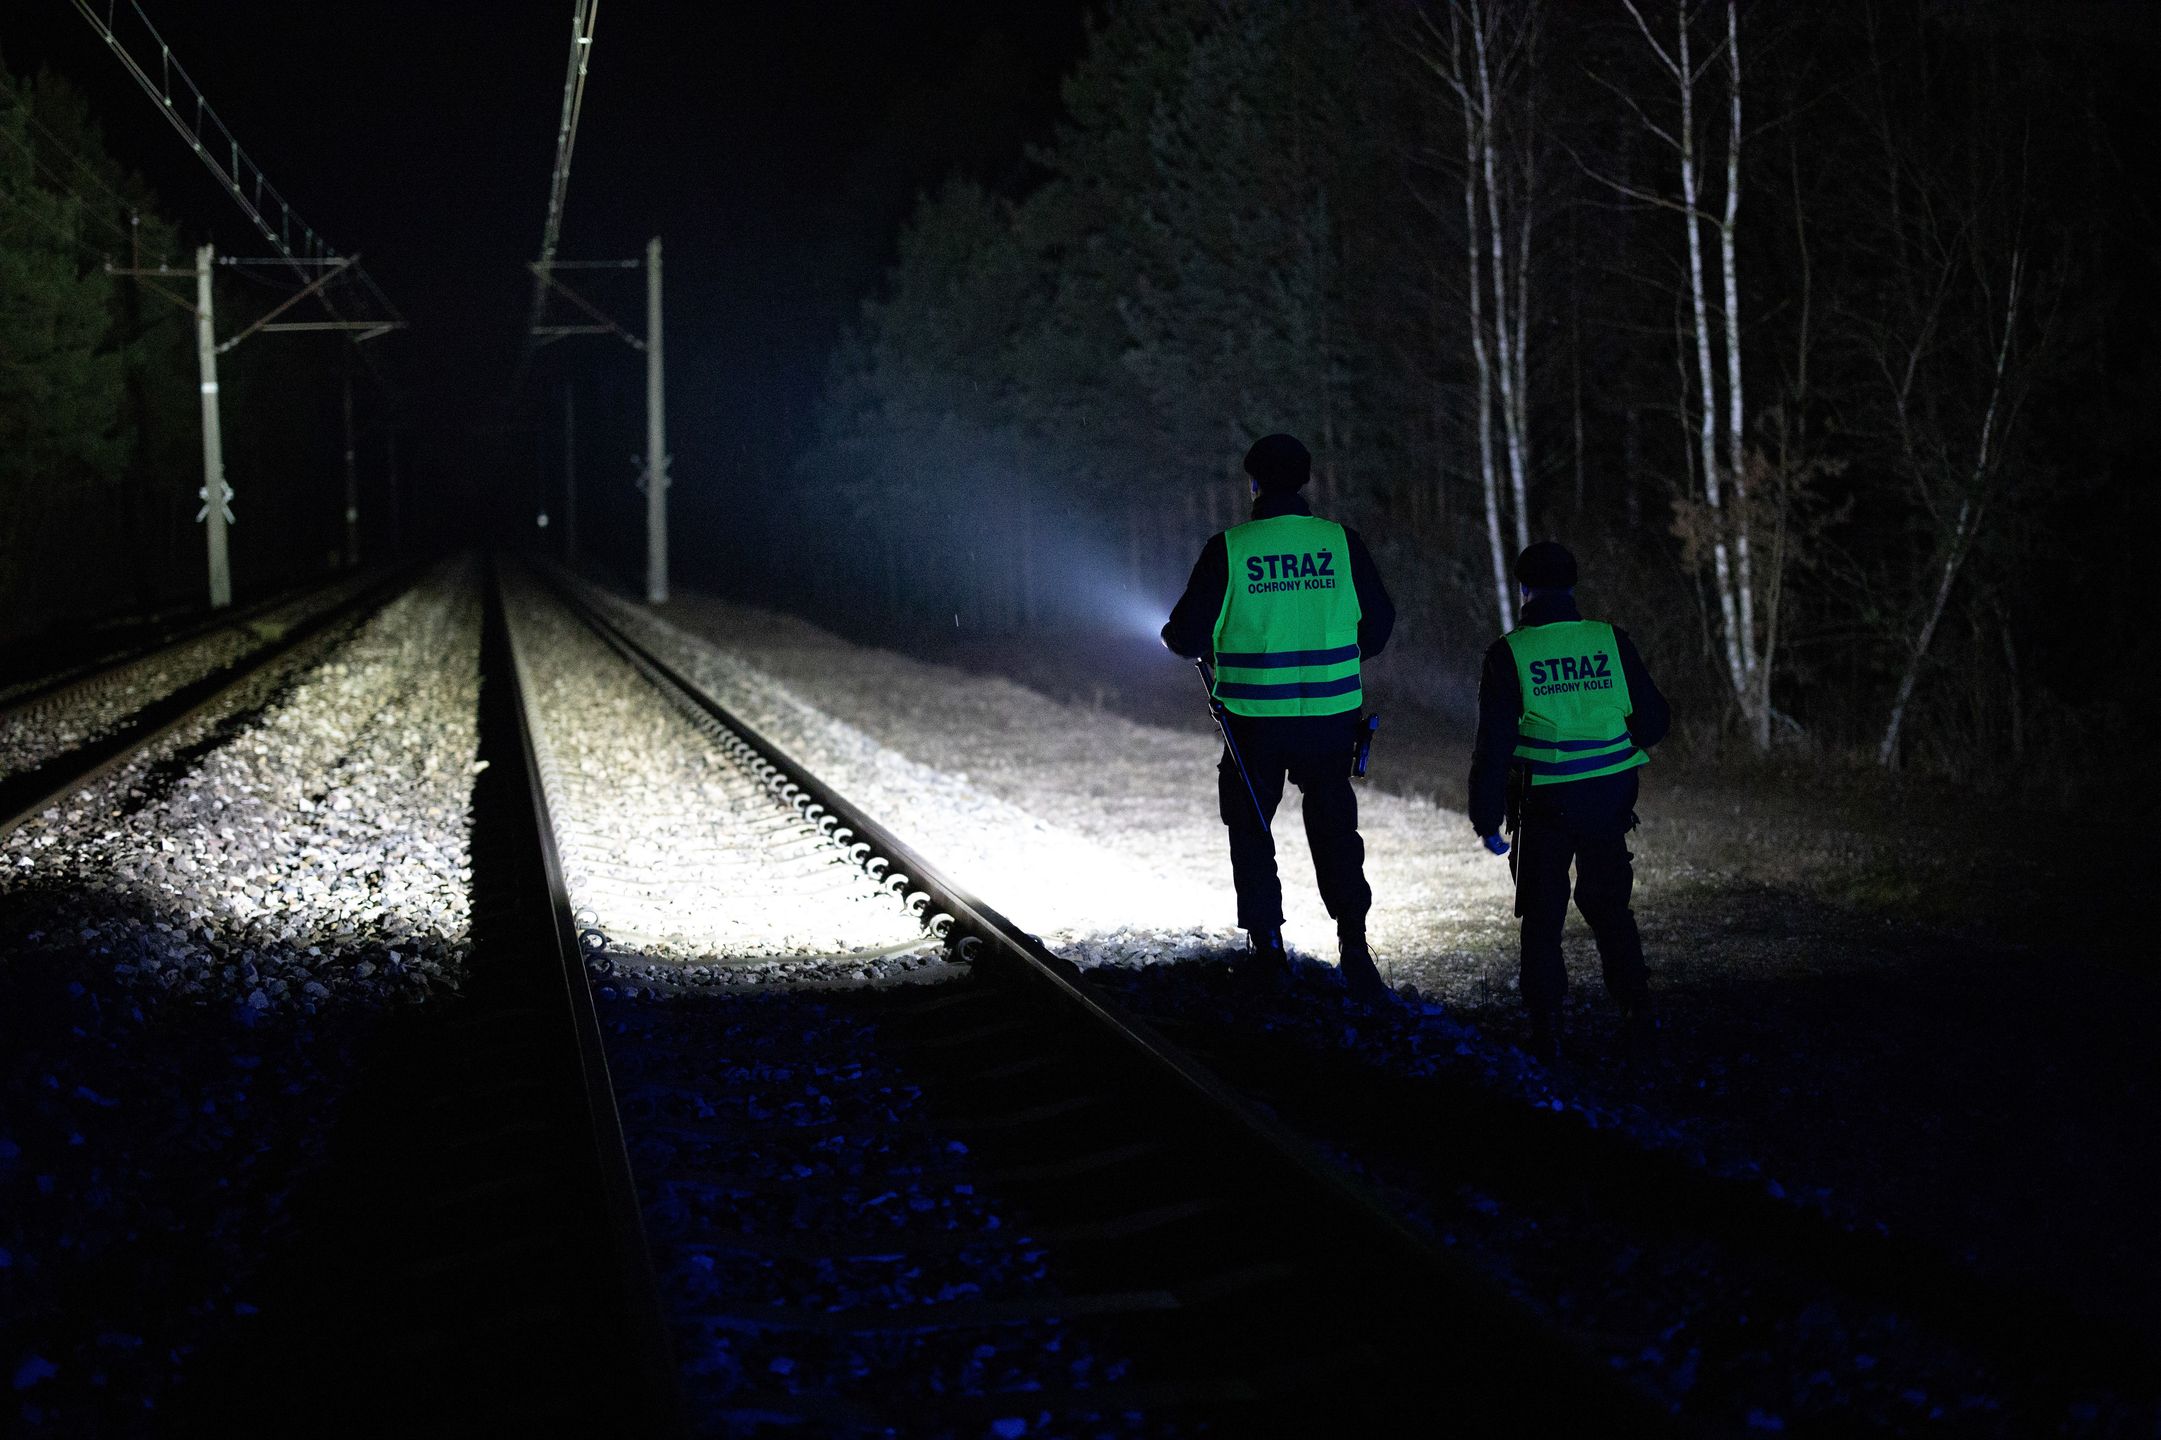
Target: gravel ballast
{"points": [[1098, 834], [682, 867], [97, 705], [194, 946]]}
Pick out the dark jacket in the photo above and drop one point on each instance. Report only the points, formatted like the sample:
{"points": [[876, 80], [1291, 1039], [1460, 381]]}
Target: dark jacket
{"points": [[1191, 630], [1500, 706]]}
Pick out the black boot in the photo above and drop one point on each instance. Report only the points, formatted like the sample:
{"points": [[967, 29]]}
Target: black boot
{"points": [[1265, 958], [1360, 975]]}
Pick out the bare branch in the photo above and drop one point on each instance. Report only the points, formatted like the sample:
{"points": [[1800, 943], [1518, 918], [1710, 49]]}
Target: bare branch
{"points": [[1642, 117], [1657, 49]]}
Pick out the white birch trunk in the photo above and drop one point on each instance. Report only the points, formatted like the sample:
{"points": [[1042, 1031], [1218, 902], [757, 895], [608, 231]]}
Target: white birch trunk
{"points": [[1707, 379], [1755, 700], [1887, 749], [1522, 355], [1500, 349], [1509, 341], [1970, 509], [1504, 593]]}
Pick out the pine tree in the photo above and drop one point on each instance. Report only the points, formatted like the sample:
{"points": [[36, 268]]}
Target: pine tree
{"points": [[61, 370]]}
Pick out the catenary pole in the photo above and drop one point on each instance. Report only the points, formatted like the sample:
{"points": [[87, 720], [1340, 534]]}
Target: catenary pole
{"points": [[215, 495], [656, 442], [352, 482]]}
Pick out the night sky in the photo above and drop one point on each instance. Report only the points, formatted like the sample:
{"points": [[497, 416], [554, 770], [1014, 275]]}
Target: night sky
{"points": [[774, 148]]}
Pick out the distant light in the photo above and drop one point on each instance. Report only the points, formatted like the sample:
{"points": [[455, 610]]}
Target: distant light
{"points": [[542, 522]]}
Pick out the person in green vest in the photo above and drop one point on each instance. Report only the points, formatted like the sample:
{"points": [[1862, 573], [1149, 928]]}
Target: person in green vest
{"points": [[1566, 711], [1289, 606]]}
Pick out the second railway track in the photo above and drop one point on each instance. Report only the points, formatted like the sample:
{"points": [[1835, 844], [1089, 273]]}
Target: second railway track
{"points": [[56, 740]]}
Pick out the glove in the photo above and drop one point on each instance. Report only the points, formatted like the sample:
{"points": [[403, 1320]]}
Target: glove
{"points": [[1494, 844]]}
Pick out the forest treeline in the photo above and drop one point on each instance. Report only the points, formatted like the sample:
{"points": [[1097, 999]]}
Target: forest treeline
{"points": [[1823, 333], [100, 419]]}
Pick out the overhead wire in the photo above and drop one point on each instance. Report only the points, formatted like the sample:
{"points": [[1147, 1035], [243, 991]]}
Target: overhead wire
{"points": [[585, 16], [582, 24], [214, 143]]}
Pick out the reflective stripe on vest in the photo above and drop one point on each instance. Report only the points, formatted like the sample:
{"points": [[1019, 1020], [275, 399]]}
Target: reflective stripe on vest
{"points": [[1574, 723], [1286, 639]]}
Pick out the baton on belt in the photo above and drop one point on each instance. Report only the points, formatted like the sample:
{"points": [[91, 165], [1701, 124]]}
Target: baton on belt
{"points": [[1223, 727], [1519, 781]]}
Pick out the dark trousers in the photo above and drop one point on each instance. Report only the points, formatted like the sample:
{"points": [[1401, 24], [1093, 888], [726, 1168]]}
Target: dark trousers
{"points": [[1314, 753], [1589, 829]]}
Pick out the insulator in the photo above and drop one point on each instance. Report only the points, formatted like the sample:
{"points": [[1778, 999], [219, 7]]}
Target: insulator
{"points": [[813, 810], [917, 902], [941, 925], [875, 866], [842, 835], [857, 853], [970, 947], [895, 883]]}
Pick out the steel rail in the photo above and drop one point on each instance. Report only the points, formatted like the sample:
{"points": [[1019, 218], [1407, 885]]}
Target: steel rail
{"points": [[976, 932], [168, 632], [58, 779], [634, 1265]]}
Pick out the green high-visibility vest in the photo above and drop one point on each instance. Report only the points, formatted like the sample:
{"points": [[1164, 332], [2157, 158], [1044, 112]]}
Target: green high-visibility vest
{"points": [[1574, 723], [1287, 637]]}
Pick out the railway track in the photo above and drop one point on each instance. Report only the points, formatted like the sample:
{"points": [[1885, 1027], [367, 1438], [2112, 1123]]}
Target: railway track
{"points": [[988, 1201], [746, 1119], [133, 644], [57, 739]]}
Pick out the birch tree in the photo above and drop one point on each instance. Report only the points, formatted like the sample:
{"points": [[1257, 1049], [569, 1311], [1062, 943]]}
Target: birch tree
{"points": [[1484, 53], [1973, 497], [1954, 336], [1720, 518]]}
